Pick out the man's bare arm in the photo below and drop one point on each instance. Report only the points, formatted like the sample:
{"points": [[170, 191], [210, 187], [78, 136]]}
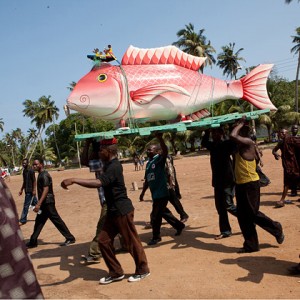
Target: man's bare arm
{"points": [[88, 183]]}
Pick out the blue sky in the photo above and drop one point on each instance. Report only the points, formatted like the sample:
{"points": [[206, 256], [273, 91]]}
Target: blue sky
{"points": [[44, 43]]}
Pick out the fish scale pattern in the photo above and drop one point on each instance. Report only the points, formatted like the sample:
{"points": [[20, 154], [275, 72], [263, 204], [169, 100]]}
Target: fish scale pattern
{"points": [[161, 55], [153, 74]]}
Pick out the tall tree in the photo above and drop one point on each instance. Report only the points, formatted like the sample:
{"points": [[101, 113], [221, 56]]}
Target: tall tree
{"points": [[41, 112], [196, 44], [289, 1], [296, 50], [228, 60]]}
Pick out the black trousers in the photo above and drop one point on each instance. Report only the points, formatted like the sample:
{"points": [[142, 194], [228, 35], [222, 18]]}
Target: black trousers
{"points": [[248, 201], [174, 200], [159, 211], [224, 204], [49, 212]]}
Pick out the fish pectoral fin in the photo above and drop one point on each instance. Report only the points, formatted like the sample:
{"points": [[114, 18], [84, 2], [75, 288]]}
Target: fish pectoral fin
{"points": [[146, 94]]}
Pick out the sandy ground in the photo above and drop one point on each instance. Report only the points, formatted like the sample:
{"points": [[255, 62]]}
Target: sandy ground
{"points": [[190, 266]]}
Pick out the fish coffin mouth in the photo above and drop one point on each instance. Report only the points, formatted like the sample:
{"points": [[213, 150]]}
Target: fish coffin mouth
{"points": [[84, 101]]}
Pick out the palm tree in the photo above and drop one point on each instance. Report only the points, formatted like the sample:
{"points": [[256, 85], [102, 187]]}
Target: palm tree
{"points": [[266, 121], [289, 1], [10, 146], [41, 112], [1, 125], [196, 44], [228, 60], [296, 49]]}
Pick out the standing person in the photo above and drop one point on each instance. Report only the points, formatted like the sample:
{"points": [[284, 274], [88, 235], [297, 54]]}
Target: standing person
{"points": [[290, 164], [45, 208], [156, 180], [294, 132], [141, 162], [173, 187], [120, 216], [248, 191], [222, 177], [18, 278], [136, 162], [29, 186]]}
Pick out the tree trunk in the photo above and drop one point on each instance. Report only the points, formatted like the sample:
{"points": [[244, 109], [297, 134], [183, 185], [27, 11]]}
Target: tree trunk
{"points": [[297, 80], [39, 136], [58, 153]]}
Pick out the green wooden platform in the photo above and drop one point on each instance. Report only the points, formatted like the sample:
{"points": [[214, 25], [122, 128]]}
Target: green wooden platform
{"points": [[205, 123]]}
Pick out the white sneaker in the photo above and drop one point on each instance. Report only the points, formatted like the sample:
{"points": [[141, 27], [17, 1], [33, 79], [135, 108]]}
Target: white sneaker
{"points": [[138, 277], [109, 279]]}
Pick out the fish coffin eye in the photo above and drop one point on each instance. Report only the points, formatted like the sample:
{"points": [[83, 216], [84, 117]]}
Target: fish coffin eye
{"points": [[102, 77]]}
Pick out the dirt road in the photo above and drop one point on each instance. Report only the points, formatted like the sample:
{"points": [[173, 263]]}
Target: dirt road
{"points": [[190, 266]]}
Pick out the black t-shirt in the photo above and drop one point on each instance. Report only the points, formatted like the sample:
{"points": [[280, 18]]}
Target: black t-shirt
{"points": [[44, 179], [221, 162], [115, 192], [28, 178]]}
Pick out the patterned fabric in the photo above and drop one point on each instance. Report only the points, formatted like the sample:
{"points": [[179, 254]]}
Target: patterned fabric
{"points": [[96, 166], [17, 276], [170, 173]]}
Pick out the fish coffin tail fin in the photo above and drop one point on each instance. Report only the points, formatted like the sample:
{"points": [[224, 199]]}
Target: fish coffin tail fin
{"points": [[254, 87]]}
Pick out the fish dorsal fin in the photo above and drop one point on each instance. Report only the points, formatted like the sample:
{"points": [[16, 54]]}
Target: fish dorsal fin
{"points": [[162, 55]]}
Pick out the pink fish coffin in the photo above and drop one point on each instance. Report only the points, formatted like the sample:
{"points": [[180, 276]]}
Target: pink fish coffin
{"points": [[161, 84]]}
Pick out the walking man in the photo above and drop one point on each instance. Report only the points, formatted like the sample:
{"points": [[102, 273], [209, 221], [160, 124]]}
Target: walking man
{"points": [[248, 192], [45, 208], [222, 177], [156, 179], [119, 218], [29, 186]]}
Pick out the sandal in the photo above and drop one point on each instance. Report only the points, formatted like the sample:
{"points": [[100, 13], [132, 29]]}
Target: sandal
{"points": [[222, 236], [279, 204]]}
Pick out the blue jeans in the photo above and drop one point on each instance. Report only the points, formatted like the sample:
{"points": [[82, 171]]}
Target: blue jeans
{"points": [[27, 202]]}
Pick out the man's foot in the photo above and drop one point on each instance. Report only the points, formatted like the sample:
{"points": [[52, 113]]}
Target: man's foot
{"points": [[294, 270], [67, 243], [138, 277], [31, 245], [223, 236], [154, 241], [89, 260], [109, 279], [279, 204], [178, 232], [281, 237], [244, 250], [148, 225], [183, 220]]}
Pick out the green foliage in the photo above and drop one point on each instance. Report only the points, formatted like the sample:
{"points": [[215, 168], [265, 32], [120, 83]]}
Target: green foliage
{"points": [[196, 44], [228, 60], [281, 91], [68, 128]]}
